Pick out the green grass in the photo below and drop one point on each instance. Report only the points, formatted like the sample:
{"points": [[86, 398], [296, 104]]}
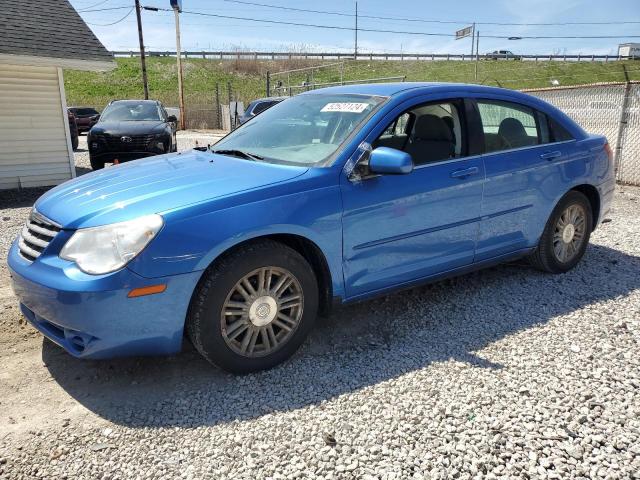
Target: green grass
{"points": [[247, 77]]}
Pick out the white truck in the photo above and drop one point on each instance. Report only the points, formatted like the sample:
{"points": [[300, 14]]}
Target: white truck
{"points": [[629, 50]]}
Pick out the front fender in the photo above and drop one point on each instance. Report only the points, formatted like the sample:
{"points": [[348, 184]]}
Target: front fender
{"points": [[191, 243]]}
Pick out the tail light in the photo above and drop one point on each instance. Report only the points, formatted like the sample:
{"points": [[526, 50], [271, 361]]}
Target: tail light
{"points": [[607, 148]]}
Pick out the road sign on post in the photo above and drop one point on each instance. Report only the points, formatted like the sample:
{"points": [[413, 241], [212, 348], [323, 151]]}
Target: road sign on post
{"points": [[465, 32]]}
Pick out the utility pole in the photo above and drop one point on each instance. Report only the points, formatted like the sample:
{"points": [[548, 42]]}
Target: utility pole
{"points": [[356, 45], [176, 11], [473, 36], [143, 63], [477, 55]]}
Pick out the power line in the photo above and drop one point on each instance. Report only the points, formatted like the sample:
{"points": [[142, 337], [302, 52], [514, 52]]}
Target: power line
{"points": [[112, 23], [296, 24], [293, 9], [95, 5], [423, 20], [399, 32], [105, 9]]}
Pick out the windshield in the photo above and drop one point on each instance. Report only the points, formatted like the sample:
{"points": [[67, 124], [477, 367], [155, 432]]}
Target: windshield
{"points": [[130, 112], [302, 130]]}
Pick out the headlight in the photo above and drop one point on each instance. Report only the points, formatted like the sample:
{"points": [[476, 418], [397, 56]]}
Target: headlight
{"points": [[104, 249], [159, 141]]}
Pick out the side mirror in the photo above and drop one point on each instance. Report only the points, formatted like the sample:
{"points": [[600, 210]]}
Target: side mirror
{"points": [[172, 119], [387, 160]]}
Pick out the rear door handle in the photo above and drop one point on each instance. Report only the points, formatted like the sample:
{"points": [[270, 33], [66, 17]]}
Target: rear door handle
{"points": [[465, 172], [550, 155]]}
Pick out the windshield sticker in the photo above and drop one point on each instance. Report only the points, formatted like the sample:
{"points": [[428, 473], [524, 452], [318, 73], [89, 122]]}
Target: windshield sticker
{"points": [[350, 107]]}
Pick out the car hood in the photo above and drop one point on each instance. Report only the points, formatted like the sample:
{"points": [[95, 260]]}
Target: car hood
{"points": [[127, 128], [156, 185]]}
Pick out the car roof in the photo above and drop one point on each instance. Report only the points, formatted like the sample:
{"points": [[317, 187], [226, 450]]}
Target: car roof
{"points": [[135, 101], [390, 89], [269, 99]]}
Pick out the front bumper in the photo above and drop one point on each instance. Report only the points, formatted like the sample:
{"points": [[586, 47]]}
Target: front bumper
{"points": [[91, 316], [123, 156]]}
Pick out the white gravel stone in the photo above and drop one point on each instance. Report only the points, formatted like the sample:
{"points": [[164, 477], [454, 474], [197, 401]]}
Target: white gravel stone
{"points": [[475, 377]]}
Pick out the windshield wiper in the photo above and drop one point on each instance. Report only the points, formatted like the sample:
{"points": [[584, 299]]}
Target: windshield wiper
{"points": [[239, 153]]}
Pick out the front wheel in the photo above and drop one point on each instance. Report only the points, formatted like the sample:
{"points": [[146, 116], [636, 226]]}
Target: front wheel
{"points": [[254, 307], [565, 236], [96, 164]]}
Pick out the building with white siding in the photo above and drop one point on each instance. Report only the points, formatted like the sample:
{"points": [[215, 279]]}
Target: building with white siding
{"points": [[37, 40]]}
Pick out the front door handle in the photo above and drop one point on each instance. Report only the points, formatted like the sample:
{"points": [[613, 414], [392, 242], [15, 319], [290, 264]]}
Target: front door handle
{"points": [[550, 155], [465, 172]]}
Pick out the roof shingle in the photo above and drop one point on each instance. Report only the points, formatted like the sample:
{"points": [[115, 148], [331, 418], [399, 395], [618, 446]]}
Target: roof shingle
{"points": [[47, 28]]}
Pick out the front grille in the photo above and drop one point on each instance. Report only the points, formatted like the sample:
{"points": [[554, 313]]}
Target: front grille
{"points": [[137, 142], [36, 235]]}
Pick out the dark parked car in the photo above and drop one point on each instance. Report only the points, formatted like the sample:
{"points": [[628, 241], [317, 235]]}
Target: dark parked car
{"points": [[86, 117], [73, 129], [131, 129], [503, 55], [259, 106]]}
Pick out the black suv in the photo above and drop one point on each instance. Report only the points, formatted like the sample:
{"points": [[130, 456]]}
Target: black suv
{"points": [[131, 129]]}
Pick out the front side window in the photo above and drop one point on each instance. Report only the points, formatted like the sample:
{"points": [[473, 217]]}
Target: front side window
{"points": [[429, 133], [302, 130], [507, 125]]}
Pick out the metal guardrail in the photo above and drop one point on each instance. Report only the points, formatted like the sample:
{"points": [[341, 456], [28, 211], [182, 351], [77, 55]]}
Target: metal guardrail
{"points": [[288, 90], [229, 55]]}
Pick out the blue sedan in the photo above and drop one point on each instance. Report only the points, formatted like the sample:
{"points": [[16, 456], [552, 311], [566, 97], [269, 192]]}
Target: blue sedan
{"points": [[330, 197]]}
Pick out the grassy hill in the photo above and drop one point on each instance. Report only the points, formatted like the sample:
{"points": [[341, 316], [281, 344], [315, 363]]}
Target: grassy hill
{"points": [[247, 77]]}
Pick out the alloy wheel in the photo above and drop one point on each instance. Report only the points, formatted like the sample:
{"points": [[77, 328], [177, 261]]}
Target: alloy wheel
{"points": [[569, 233], [262, 311]]}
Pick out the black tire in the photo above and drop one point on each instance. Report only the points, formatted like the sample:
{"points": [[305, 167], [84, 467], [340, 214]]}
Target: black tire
{"points": [[96, 164], [205, 317], [544, 257]]}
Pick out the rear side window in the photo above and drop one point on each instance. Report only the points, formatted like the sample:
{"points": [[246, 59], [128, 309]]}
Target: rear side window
{"points": [[558, 132], [507, 125], [262, 106]]}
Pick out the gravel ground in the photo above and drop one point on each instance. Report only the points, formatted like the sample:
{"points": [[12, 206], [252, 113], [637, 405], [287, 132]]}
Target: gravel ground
{"points": [[504, 373]]}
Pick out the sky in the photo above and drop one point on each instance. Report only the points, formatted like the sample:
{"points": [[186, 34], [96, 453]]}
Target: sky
{"points": [[211, 33]]}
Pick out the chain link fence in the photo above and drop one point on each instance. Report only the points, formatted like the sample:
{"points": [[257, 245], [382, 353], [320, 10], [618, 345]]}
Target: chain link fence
{"points": [[219, 110], [611, 109]]}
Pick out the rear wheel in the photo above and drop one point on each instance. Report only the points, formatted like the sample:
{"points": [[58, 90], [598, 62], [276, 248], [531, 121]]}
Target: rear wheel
{"points": [[565, 236], [254, 307], [96, 164]]}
